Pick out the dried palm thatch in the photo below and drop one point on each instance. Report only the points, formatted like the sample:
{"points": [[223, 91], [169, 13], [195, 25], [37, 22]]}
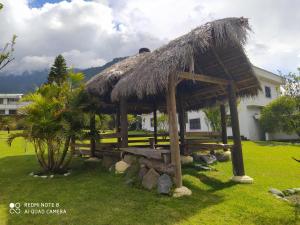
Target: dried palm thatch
{"points": [[215, 49], [102, 84], [209, 47]]}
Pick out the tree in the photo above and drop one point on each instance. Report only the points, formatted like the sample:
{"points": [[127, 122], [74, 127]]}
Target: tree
{"points": [[282, 114], [52, 121], [6, 53], [58, 72], [213, 117], [292, 84]]}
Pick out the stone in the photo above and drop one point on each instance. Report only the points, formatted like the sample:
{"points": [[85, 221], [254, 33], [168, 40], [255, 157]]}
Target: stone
{"points": [[121, 166], [224, 156], [142, 172], [108, 161], [67, 174], [164, 184], [52, 176], [35, 176], [44, 176], [131, 174], [297, 190], [207, 159], [186, 159], [128, 158], [289, 192], [93, 159], [276, 192], [201, 167], [150, 179], [182, 191], [31, 174], [242, 179]]}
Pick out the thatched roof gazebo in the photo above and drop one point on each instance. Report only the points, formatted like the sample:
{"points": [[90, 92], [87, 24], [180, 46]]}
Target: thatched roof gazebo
{"points": [[199, 69]]}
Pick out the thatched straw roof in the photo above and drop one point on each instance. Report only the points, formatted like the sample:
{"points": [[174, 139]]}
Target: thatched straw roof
{"points": [[215, 49]]}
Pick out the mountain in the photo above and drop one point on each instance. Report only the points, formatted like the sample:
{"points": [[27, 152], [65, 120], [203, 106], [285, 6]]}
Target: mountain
{"points": [[26, 82]]}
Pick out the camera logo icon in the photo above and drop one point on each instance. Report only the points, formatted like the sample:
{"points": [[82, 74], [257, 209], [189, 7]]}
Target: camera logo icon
{"points": [[14, 208]]}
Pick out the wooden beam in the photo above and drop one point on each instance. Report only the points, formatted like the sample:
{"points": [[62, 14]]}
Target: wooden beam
{"points": [[237, 155], [223, 123], [182, 125], [173, 130], [155, 125], [124, 123], [93, 133], [203, 78]]}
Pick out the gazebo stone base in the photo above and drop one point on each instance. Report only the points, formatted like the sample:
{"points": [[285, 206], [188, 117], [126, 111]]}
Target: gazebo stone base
{"points": [[242, 179], [182, 191]]}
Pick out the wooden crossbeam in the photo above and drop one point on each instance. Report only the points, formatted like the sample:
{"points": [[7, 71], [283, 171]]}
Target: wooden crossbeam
{"points": [[203, 78]]}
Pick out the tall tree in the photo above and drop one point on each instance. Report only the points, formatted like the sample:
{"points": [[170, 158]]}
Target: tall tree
{"points": [[58, 72], [7, 51]]}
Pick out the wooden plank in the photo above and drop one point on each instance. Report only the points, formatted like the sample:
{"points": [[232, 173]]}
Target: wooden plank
{"points": [[223, 123], [114, 135], [203, 78], [147, 152], [203, 134], [124, 122]]}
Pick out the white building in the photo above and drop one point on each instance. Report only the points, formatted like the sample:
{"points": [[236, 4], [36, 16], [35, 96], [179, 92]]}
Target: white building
{"points": [[249, 111], [9, 103]]}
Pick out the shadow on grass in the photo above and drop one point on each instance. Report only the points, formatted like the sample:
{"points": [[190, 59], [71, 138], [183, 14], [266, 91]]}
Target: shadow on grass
{"points": [[212, 182], [91, 195]]}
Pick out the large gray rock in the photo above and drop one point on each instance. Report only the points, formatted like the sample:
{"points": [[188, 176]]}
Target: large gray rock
{"points": [[276, 192], [142, 172], [182, 191], [150, 179], [128, 158], [164, 184], [108, 161]]}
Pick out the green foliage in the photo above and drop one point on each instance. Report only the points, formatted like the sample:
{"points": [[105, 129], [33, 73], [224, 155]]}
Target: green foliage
{"points": [[213, 117], [134, 122], [292, 84], [52, 119], [58, 72], [7, 52], [282, 114], [104, 122]]}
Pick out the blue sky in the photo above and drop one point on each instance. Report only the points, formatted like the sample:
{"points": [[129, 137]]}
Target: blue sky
{"points": [[40, 3]]}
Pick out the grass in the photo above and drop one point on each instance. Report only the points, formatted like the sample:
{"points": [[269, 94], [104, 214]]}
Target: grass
{"points": [[93, 196]]}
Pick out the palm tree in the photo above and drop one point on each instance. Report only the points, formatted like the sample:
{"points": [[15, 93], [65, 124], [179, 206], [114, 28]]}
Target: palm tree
{"points": [[52, 121]]}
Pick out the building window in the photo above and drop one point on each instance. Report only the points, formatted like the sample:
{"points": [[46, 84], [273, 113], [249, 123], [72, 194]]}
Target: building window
{"points": [[1, 101], [195, 124], [152, 122], [2, 112], [12, 112], [12, 100], [268, 92]]}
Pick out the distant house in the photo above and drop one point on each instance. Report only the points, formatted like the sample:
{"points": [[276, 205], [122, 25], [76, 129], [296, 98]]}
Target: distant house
{"points": [[9, 103], [249, 111]]}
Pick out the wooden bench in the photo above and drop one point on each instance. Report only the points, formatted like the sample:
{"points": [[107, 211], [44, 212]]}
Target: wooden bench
{"points": [[161, 154]]}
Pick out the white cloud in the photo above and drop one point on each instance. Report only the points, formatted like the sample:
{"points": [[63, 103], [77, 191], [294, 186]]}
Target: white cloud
{"points": [[90, 33]]}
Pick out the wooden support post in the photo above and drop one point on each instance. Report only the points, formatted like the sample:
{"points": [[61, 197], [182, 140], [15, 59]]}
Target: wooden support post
{"points": [[223, 123], [118, 124], [237, 155], [93, 134], [124, 123], [182, 127], [173, 130], [155, 124]]}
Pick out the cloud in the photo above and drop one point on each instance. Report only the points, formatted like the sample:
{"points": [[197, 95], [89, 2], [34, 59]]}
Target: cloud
{"points": [[90, 33]]}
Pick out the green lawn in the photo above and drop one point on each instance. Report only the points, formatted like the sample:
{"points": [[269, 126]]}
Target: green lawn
{"points": [[92, 196]]}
